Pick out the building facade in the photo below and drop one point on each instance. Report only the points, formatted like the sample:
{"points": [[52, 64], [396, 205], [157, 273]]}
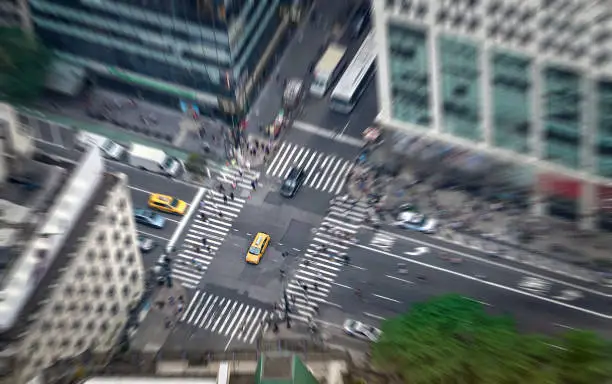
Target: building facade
{"points": [[74, 272], [208, 53], [526, 82], [15, 13]]}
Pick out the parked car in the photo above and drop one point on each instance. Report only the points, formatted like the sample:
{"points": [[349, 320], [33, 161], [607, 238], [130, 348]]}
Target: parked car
{"points": [[149, 218], [293, 182], [146, 244], [361, 21], [360, 330], [416, 221]]}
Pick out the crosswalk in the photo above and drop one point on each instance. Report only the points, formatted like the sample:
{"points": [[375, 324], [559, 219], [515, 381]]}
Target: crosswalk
{"points": [[320, 267], [324, 172], [229, 174], [226, 317], [212, 221]]}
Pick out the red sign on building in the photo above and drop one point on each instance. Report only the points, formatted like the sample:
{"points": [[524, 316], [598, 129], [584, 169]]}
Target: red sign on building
{"points": [[555, 185]]}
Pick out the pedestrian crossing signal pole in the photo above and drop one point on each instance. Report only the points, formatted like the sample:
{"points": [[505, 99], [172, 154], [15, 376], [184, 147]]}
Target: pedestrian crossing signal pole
{"points": [[287, 310]]}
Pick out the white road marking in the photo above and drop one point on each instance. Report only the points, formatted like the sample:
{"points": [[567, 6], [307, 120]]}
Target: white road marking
{"points": [[385, 298], [186, 218], [497, 264], [399, 279], [373, 316], [486, 282]]}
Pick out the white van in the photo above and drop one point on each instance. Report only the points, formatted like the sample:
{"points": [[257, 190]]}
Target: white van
{"points": [[154, 160], [109, 148]]}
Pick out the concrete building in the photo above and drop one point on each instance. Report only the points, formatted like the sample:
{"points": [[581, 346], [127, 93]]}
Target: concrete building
{"points": [[15, 13], [527, 83], [209, 54], [70, 267]]}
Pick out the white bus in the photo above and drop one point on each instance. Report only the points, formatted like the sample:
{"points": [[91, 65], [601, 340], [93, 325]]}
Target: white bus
{"points": [[328, 68], [356, 78]]}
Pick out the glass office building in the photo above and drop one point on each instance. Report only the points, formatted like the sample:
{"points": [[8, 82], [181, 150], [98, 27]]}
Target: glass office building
{"points": [[528, 83], [205, 52]]}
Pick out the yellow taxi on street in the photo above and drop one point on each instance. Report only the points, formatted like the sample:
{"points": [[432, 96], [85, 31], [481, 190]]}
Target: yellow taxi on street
{"points": [[258, 248], [167, 204]]}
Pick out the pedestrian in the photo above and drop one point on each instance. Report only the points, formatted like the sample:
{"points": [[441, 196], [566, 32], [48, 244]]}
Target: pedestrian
{"points": [[225, 199], [221, 188], [204, 241], [197, 249], [315, 286], [232, 196], [253, 185], [306, 263], [208, 249], [203, 216], [220, 214]]}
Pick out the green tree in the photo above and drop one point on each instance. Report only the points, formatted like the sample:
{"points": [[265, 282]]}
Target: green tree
{"points": [[23, 66], [196, 164], [452, 339], [583, 358]]}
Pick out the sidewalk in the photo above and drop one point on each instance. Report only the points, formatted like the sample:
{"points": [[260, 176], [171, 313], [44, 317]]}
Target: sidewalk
{"points": [[462, 215], [160, 319]]}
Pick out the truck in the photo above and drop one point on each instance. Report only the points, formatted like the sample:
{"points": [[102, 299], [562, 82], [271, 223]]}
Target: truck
{"points": [[109, 148], [154, 160]]}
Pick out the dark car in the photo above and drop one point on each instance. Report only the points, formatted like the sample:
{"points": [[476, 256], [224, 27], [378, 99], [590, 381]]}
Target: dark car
{"points": [[292, 182], [361, 22]]}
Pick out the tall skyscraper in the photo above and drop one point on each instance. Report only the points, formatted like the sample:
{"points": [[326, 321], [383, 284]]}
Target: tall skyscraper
{"points": [[211, 53], [526, 82]]}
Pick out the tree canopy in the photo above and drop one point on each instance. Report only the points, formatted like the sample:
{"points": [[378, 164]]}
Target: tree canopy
{"points": [[453, 340], [23, 66]]}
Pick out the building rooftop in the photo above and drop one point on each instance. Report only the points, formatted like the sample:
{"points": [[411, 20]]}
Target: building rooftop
{"points": [[17, 307], [23, 199]]}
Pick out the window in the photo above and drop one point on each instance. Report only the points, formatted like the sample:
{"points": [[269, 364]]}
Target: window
{"points": [[112, 218], [111, 292], [101, 308], [96, 292], [77, 324], [122, 272], [108, 273], [104, 326], [122, 204], [91, 325], [128, 241], [65, 342], [69, 290], [134, 276], [72, 306], [104, 255], [45, 326], [80, 343], [116, 235], [91, 255], [119, 255], [126, 291], [125, 223], [83, 290], [80, 273], [94, 271], [86, 307], [60, 325], [131, 259], [114, 309], [101, 238], [58, 308]]}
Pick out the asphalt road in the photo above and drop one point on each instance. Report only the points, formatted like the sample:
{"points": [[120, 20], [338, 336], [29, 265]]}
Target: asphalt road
{"points": [[387, 291], [141, 185]]}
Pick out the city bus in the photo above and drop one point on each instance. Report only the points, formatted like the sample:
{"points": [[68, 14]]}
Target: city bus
{"points": [[356, 78], [328, 68]]}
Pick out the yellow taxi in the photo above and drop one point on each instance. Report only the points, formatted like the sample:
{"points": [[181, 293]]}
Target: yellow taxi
{"points": [[258, 248], [168, 204]]}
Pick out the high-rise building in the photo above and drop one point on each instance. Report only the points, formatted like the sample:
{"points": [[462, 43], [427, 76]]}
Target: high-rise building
{"points": [[70, 267], [15, 13], [526, 82], [208, 53]]}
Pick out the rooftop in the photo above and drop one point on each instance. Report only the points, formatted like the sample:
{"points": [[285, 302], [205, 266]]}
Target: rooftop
{"points": [[69, 245], [24, 198]]}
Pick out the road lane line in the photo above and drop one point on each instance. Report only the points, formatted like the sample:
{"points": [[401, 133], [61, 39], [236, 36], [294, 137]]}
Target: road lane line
{"points": [[374, 316], [343, 286], [564, 326], [386, 298], [152, 235], [194, 205], [489, 283], [478, 301], [400, 279], [495, 263]]}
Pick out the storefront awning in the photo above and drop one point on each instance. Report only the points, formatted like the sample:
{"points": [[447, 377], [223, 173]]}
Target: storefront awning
{"points": [[65, 78]]}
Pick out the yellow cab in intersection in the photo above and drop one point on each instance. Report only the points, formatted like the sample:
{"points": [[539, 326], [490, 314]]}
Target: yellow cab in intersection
{"points": [[167, 204], [258, 248]]}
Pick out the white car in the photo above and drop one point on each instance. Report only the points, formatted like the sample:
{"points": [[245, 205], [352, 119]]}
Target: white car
{"points": [[363, 331], [109, 148], [416, 222], [534, 284]]}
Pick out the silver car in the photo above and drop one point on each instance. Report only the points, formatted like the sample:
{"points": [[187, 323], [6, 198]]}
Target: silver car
{"points": [[145, 244], [360, 330]]}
